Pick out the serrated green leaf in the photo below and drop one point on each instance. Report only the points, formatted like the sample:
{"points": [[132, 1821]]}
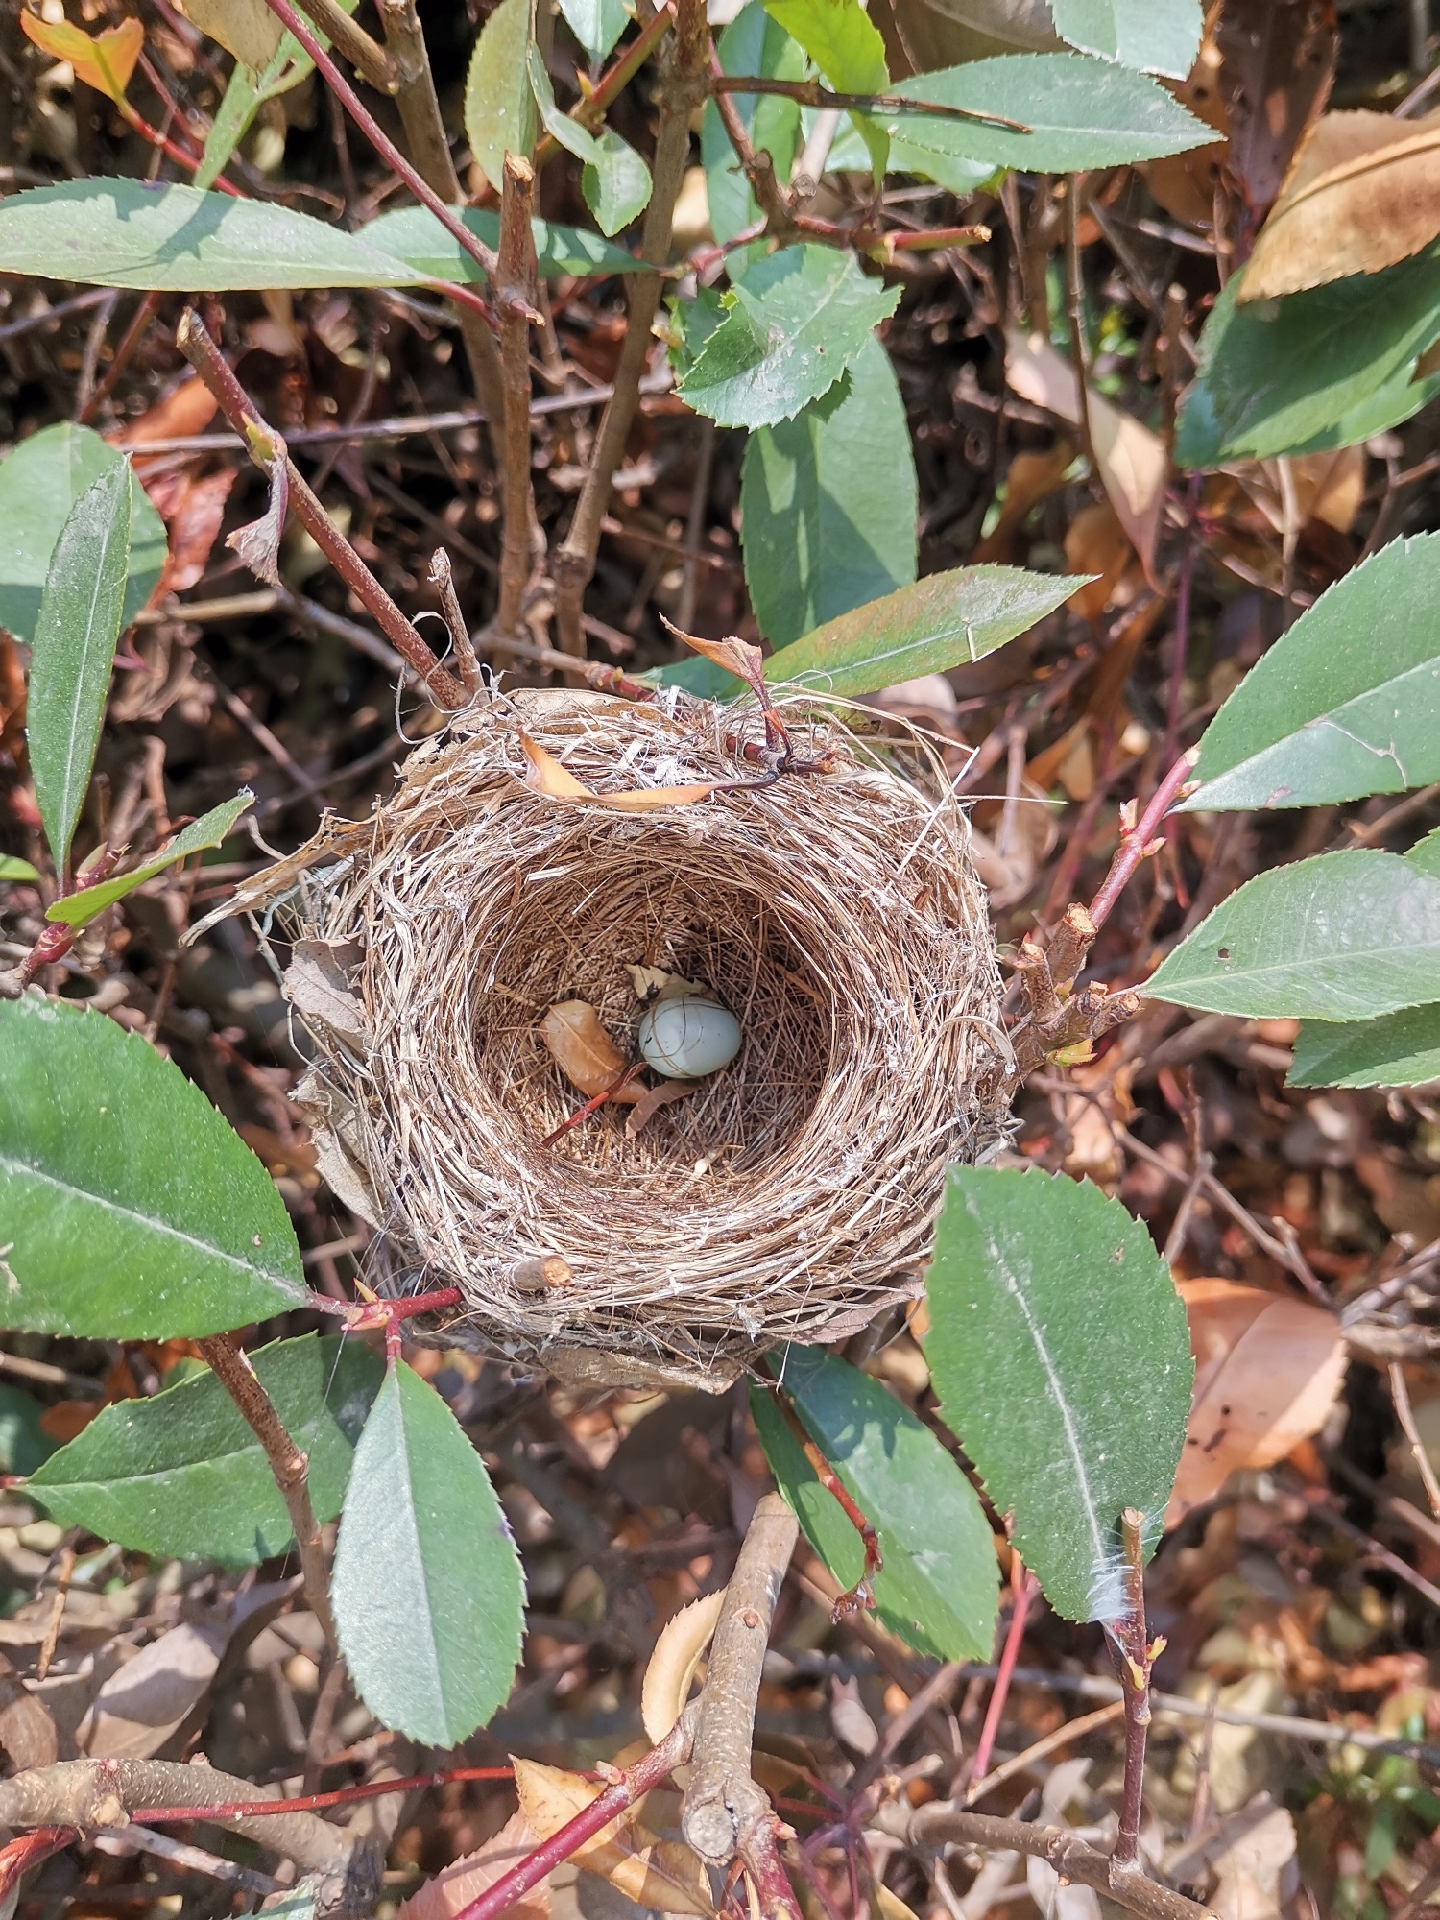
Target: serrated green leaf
{"points": [[39, 485], [13, 868], [1081, 114], [131, 1210], [72, 652], [183, 1475], [616, 183], [845, 44], [828, 503], [793, 325], [1398, 1050], [175, 239], [499, 110], [1425, 854], [208, 831], [1059, 1349], [937, 1588], [1347, 703], [1158, 36], [753, 43], [427, 1589], [1341, 937], [24, 1443], [414, 235], [596, 24], [1322, 369]]}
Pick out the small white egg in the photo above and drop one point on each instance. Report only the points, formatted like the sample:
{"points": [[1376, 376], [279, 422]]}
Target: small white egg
{"points": [[688, 1037]]}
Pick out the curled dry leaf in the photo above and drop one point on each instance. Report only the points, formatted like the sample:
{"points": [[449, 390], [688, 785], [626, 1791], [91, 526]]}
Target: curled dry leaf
{"points": [[1362, 194], [737, 656], [683, 1639], [583, 1050], [463, 1881], [1096, 543], [547, 776], [651, 1099], [257, 543], [1267, 1370], [654, 1873], [104, 62]]}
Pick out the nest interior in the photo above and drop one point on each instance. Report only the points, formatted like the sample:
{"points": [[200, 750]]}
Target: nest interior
{"points": [[789, 1196]]}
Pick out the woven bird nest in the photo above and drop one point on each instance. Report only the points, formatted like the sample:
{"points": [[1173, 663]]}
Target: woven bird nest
{"points": [[789, 1196]]}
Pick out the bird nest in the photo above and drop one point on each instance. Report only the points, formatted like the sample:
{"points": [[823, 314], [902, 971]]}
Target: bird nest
{"points": [[789, 1196]]}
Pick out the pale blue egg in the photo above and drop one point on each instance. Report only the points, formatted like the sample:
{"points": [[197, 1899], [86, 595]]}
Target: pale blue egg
{"points": [[688, 1037]]}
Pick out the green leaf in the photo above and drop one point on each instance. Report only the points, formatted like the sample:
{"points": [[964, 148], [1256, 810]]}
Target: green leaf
{"points": [[183, 1475], [71, 654], [1343, 936], [24, 1443], [13, 868], [414, 235], [1059, 1349], [427, 1590], [616, 183], [828, 503], [499, 112], [937, 1587], [1081, 114], [596, 24], [1425, 854], [40, 483], [1398, 1050], [176, 239], [792, 326], [1327, 368], [845, 44], [208, 831], [1345, 704], [753, 43], [131, 1210], [1158, 36], [247, 91]]}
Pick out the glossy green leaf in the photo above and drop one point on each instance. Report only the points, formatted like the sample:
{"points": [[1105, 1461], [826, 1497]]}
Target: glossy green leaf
{"points": [[24, 1443], [1345, 704], [1059, 1349], [183, 1475], [1081, 114], [616, 183], [427, 1589], [596, 24], [39, 485], [937, 1587], [414, 235], [792, 326], [176, 239], [1344, 936], [208, 831], [845, 44], [753, 43], [828, 503], [72, 652], [131, 1210], [499, 110], [1327, 368], [13, 868], [1158, 36], [1398, 1050]]}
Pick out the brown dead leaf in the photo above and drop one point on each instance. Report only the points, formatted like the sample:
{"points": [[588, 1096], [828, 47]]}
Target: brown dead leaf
{"points": [[583, 1050], [683, 1639], [257, 543], [187, 408], [318, 987], [27, 1733], [1267, 1370], [1362, 193], [105, 62], [138, 1708], [654, 799], [463, 1881], [193, 512], [1184, 183], [652, 1099], [737, 656], [654, 1873], [547, 776], [1130, 458], [1095, 542], [1030, 478], [246, 28], [1277, 62]]}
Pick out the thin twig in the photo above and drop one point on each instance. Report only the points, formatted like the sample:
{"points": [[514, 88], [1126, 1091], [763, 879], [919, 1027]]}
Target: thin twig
{"points": [[1075, 303], [1134, 1657], [517, 272], [1140, 839], [810, 93], [1024, 1586], [1061, 1737]]}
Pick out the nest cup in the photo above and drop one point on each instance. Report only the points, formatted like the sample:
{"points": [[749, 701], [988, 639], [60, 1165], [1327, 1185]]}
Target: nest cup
{"points": [[791, 1195]]}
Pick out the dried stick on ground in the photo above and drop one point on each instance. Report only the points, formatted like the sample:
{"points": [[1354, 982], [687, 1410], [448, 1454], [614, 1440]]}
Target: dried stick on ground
{"points": [[288, 1463], [517, 286], [682, 90]]}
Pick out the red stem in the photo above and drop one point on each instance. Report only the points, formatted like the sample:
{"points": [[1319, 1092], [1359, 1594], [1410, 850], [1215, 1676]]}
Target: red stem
{"points": [[28, 1850], [1024, 1586], [189, 161], [315, 1802], [1135, 841]]}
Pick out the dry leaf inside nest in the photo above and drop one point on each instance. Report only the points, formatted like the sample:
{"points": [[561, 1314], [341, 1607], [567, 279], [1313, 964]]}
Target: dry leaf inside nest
{"points": [[1362, 194], [1267, 1371], [584, 1051]]}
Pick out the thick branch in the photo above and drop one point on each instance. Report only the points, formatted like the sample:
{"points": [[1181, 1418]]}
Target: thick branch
{"points": [[682, 91], [288, 1463], [104, 1793], [369, 59], [265, 446]]}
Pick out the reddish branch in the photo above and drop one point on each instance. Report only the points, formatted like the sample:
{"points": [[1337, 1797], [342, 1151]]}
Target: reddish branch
{"points": [[1024, 1586], [318, 1802], [1137, 841]]}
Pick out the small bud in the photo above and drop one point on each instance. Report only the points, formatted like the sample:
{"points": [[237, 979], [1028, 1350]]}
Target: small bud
{"points": [[1129, 813]]}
